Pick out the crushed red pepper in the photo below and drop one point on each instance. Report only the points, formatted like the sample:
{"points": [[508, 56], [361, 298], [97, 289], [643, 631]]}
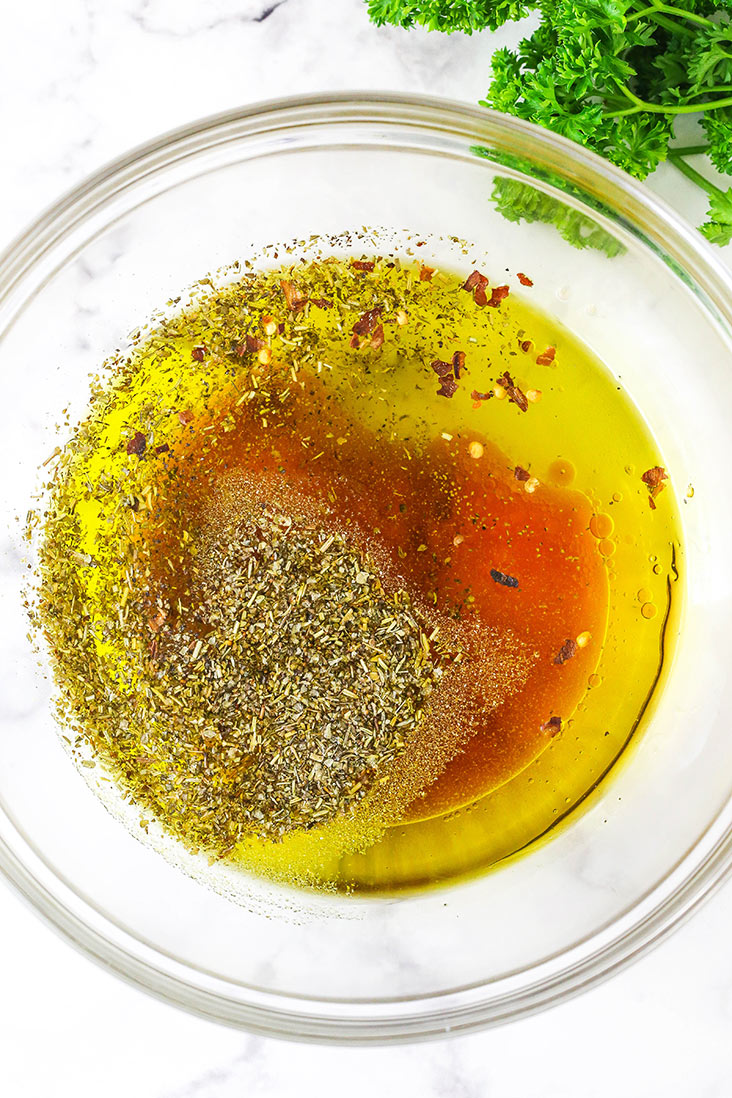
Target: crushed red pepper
{"points": [[377, 339], [474, 280], [448, 386], [363, 264], [251, 345], [503, 579], [425, 274], [546, 357], [137, 444], [524, 279], [476, 283], [475, 395], [552, 726], [520, 473], [498, 294], [442, 369], [653, 479], [294, 297], [566, 652], [458, 363], [515, 394], [368, 321], [198, 353]]}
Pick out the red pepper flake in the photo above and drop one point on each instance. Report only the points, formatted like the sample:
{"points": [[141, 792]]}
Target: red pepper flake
{"points": [[546, 357], [425, 274], [162, 449], [442, 369], [252, 344], [503, 579], [321, 302], [294, 298], [198, 353], [368, 321], [157, 621], [552, 726], [474, 280], [520, 473], [479, 296], [185, 417], [448, 386], [524, 279], [525, 345], [363, 264], [515, 395], [458, 363], [653, 479], [355, 342], [475, 395], [566, 652], [137, 444], [377, 339], [498, 294]]}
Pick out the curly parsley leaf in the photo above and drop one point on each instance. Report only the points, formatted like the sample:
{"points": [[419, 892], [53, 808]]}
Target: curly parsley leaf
{"points": [[718, 229], [519, 201], [612, 75], [448, 15]]}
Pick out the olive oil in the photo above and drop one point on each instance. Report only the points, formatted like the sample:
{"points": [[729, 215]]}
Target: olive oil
{"points": [[466, 456]]}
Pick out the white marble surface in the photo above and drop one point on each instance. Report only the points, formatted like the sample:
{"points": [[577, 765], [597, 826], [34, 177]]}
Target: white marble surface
{"points": [[80, 81]]}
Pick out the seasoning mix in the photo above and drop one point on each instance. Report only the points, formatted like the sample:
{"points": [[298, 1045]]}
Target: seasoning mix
{"points": [[336, 581]]}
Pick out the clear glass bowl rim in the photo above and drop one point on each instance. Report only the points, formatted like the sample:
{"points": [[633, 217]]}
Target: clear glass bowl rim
{"points": [[697, 874]]}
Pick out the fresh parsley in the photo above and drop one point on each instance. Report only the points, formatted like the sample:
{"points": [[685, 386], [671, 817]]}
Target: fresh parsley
{"points": [[613, 75]]}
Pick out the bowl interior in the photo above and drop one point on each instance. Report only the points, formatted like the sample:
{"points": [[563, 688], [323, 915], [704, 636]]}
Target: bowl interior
{"points": [[330, 966]]}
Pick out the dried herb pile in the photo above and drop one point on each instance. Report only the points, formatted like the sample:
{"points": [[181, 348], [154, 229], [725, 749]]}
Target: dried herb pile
{"points": [[301, 682]]}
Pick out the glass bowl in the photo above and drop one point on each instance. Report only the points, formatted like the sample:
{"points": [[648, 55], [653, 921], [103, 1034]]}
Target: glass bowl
{"points": [[648, 296]]}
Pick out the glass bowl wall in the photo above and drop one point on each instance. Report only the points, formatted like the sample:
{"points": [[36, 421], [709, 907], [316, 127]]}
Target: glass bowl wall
{"points": [[652, 840]]}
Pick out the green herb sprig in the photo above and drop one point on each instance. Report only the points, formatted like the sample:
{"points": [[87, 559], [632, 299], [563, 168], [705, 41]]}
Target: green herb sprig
{"points": [[613, 75]]}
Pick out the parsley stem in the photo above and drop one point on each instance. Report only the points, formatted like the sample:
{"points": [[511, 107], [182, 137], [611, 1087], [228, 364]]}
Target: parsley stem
{"points": [[693, 174], [659, 108], [669, 9], [688, 150]]}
